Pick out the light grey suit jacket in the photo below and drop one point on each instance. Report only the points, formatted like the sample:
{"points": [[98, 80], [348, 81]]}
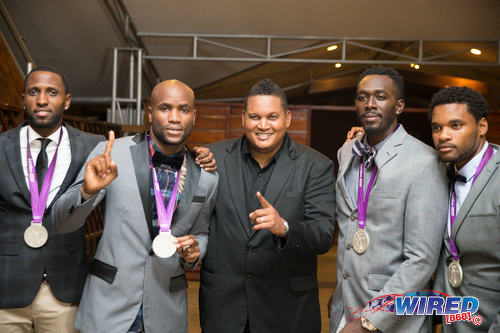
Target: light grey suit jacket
{"points": [[141, 277], [476, 233], [406, 217]]}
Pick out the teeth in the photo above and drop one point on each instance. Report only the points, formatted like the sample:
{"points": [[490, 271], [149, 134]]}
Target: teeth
{"points": [[263, 134]]}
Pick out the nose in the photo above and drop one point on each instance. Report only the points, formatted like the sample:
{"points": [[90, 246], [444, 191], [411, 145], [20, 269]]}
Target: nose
{"points": [[444, 135], [263, 124], [42, 99], [371, 103], [174, 116]]}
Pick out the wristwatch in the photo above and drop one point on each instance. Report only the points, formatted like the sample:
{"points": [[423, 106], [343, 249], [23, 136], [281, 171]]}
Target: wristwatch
{"points": [[367, 324], [285, 233]]}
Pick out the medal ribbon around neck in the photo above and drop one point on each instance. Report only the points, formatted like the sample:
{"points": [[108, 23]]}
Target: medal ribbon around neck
{"points": [[362, 198], [453, 202], [164, 214], [39, 201]]}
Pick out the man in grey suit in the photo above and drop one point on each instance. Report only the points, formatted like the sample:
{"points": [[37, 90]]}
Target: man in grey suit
{"points": [[136, 281], [471, 241], [390, 221]]}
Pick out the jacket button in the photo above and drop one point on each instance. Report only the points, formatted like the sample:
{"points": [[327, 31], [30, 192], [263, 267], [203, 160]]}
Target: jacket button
{"points": [[353, 217], [348, 246], [250, 249], [345, 275]]}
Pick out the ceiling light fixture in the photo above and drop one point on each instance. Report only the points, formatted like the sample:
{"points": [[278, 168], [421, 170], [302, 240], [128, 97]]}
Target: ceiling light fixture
{"points": [[475, 51], [338, 65], [417, 66], [412, 65], [331, 47]]}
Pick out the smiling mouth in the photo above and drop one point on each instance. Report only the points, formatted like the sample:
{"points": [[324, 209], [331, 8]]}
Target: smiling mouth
{"points": [[263, 135]]}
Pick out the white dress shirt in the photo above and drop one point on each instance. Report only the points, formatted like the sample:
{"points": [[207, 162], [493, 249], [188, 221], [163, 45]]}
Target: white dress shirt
{"points": [[63, 156], [462, 189]]}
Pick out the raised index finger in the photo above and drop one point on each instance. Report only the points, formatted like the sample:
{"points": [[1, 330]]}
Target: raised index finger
{"points": [[263, 200], [109, 145]]}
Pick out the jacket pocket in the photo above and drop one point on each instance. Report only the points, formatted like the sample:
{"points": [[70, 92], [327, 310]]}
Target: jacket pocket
{"points": [[303, 283], [103, 270], [376, 282], [178, 283]]}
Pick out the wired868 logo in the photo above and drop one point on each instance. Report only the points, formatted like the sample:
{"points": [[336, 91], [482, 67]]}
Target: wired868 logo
{"points": [[453, 308]]}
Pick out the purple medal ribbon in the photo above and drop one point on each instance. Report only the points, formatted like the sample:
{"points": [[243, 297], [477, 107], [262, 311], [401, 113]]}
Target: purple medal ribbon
{"points": [[453, 202], [39, 201], [164, 214], [363, 201]]}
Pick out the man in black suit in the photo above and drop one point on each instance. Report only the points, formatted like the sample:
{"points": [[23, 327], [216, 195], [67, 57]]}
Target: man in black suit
{"points": [[40, 283], [273, 215]]}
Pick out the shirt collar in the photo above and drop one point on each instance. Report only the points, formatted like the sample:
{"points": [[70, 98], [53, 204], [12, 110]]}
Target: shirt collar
{"points": [[245, 148], [156, 149], [381, 143], [470, 168], [34, 136]]}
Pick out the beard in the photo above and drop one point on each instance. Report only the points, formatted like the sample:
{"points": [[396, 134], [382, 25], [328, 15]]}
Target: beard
{"points": [[51, 122], [159, 133]]}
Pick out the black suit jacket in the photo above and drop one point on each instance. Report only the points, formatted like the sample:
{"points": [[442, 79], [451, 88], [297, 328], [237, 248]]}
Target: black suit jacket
{"points": [[63, 256], [244, 273]]}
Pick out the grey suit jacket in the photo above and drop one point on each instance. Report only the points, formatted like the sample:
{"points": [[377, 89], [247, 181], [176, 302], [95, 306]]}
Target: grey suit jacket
{"points": [[476, 233], [406, 217], [111, 304]]}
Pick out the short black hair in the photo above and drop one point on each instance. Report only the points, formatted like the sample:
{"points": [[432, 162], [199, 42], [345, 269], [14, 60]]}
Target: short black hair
{"points": [[51, 70], [476, 103], [269, 88], [393, 74]]}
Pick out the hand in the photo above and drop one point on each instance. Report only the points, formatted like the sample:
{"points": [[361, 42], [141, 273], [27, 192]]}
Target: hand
{"points": [[353, 132], [205, 158], [354, 327], [100, 170], [267, 218], [188, 248]]}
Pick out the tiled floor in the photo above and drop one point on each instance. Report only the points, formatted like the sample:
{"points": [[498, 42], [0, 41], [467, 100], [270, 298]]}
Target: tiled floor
{"points": [[326, 279]]}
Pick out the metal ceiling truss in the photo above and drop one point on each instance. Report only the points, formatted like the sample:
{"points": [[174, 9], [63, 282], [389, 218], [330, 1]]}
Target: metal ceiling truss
{"points": [[318, 42]]}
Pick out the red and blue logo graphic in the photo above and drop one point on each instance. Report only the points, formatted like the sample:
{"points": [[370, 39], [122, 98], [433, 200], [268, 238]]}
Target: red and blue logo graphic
{"points": [[426, 302]]}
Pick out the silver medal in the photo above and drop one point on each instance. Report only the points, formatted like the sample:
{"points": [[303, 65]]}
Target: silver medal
{"points": [[360, 241], [36, 235], [455, 274], [164, 245]]}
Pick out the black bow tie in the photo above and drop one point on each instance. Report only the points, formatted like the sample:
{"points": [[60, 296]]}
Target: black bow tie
{"points": [[175, 160], [363, 151], [455, 177]]}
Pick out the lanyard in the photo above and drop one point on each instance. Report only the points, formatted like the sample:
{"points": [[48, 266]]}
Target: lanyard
{"points": [[453, 200], [39, 200], [164, 214], [362, 198]]}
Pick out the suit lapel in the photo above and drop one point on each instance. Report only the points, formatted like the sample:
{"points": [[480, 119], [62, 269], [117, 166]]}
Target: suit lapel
{"points": [[140, 161], [476, 189], [14, 159], [390, 148], [281, 173], [232, 162], [77, 145], [192, 180]]}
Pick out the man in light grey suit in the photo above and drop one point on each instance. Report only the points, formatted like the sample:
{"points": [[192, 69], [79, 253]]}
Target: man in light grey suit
{"points": [[459, 126], [389, 240], [130, 288]]}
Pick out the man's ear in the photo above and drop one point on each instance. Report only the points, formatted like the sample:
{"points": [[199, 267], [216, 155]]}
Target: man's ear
{"points": [[482, 125]]}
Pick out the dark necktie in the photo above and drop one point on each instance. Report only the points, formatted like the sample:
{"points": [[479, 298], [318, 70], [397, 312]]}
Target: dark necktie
{"points": [[175, 160], [364, 151], [454, 176], [42, 162]]}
